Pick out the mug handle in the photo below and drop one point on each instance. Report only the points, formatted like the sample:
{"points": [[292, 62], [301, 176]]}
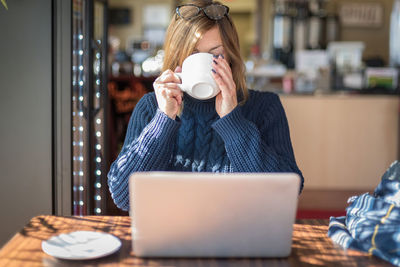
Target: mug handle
{"points": [[180, 85]]}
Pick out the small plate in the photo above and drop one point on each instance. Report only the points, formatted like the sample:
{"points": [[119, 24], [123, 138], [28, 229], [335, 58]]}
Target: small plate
{"points": [[81, 245]]}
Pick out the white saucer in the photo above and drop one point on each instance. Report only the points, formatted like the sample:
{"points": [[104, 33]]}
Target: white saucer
{"points": [[81, 245]]}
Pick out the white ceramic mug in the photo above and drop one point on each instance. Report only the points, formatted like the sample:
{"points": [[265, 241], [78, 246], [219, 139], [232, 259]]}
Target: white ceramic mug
{"points": [[197, 80]]}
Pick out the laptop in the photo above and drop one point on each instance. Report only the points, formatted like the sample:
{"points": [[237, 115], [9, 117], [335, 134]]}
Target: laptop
{"points": [[186, 214]]}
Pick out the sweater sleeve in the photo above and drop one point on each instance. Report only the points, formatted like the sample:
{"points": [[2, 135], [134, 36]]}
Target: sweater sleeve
{"points": [[148, 146], [264, 146]]}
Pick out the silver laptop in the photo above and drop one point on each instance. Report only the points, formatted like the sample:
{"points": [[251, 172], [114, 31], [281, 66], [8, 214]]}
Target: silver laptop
{"points": [[184, 214]]}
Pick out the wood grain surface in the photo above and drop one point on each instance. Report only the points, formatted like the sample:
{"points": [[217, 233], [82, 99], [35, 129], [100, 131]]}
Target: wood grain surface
{"points": [[311, 246]]}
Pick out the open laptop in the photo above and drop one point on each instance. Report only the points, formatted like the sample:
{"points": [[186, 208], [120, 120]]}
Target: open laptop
{"points": [[186, 214]]}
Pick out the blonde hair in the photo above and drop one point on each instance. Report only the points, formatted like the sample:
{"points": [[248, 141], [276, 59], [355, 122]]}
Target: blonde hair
{"points": [[183, 35]]}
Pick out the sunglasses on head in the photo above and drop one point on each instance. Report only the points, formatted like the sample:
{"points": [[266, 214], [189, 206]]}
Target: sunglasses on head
{"points": [[212, 11]]}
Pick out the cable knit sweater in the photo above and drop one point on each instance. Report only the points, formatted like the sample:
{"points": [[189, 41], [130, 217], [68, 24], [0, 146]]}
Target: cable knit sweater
{"points": [[254, 137]]}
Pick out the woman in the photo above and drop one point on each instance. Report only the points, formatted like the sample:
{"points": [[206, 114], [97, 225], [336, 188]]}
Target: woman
{"points": [[236, 131]]}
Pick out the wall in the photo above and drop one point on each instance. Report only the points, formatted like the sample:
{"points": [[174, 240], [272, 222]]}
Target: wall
{"points": [[134, 29], [266, 29], [376, 40], [242, 13], [25, 114], [245, 28]]}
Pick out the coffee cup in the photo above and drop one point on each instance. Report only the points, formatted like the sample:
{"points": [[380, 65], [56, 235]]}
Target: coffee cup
{"points": [[196, 77]]}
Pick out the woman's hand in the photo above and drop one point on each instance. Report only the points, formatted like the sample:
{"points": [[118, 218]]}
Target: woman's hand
{"points": [[168, 95], [226, 100]]}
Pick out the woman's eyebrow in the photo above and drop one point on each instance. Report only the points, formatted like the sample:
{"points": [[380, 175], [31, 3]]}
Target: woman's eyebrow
{"points": [[218, 46]]}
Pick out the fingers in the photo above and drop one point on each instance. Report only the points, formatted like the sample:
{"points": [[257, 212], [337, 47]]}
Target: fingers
{"points": [[178, 69], [169, 90], [166, 85], [168, 76], [222, 67], [223, 77], [168, 94]]}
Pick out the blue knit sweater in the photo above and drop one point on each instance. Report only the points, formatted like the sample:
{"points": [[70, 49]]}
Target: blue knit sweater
{"points": [[254, 137]]}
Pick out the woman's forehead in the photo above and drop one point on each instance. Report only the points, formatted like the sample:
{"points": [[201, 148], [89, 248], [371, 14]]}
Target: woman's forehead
{"points": [[210, 40]]}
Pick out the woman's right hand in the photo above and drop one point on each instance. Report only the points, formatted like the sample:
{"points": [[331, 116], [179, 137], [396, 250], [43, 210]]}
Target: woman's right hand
{"points": [[169, 96]]}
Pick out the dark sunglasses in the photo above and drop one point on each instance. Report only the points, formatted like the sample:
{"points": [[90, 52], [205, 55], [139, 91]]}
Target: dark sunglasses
{"points": [[212, 11]]}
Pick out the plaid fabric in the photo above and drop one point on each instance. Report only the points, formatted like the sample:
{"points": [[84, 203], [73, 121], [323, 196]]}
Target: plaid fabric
{"points": [[372, 223]]}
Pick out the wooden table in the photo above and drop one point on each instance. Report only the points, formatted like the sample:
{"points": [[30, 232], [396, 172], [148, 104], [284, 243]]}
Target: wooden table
{"points": [[311, 246]]}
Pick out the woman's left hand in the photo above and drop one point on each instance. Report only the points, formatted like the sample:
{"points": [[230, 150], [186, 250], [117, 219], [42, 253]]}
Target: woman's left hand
{"points": [[226, 100]]}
